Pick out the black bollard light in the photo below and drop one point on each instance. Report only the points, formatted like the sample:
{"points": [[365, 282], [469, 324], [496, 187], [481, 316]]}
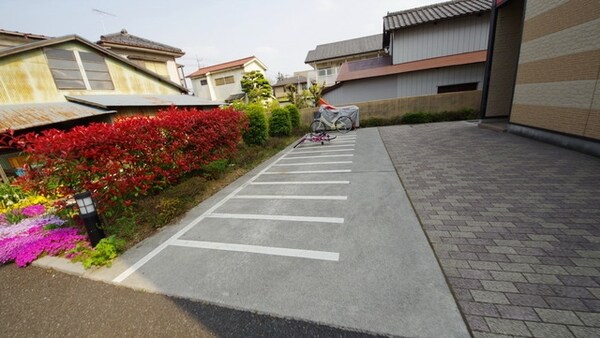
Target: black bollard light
{"points": [[87, 210]]}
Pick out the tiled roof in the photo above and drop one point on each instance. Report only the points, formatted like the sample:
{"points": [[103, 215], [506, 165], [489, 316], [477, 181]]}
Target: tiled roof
{"points": [[221, 66], [25, 35], [126, 39], [365, 44], [382, 66], [289, 80], [435, 12]]}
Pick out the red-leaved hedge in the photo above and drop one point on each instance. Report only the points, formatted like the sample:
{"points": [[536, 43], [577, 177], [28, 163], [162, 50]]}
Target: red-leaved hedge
{"points": [[133, 156]]}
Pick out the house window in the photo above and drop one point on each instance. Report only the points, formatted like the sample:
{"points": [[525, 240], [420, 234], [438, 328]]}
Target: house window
{"points": [[203, 82], [224, 80], [73, 69], [327, 71], [461, 87]]}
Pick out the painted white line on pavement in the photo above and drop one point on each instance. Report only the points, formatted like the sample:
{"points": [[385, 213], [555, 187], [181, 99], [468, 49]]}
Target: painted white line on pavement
{"points": [[185, 229], [300, 182], [308, 172], [292, 197], [279, 218], [321, 151], [312, 163], [321, 146], [266, 250], [316, 156]]}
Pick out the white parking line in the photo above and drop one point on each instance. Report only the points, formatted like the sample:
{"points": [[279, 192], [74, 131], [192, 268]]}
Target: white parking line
{"points": [[279, 218], [267, 250], [292, 197], [322, 151], [121, 277], [323, 146], [316, 156], [312, 163], [308, 172], [300, 182]]}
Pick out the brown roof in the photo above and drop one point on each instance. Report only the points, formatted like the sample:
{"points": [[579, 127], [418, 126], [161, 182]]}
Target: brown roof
{"points": [[23, 116], [382, 66], [221, 66], [126, 39]]}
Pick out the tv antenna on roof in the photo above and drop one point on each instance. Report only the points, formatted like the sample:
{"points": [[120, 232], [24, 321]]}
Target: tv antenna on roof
{"points": [[102, 15]]}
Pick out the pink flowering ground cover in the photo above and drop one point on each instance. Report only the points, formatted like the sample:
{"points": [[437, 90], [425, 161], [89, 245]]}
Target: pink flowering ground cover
{"points": [[36, 235]]}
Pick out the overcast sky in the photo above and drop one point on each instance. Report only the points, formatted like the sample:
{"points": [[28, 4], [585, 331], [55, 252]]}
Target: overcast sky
{"points": [[279, 33]]}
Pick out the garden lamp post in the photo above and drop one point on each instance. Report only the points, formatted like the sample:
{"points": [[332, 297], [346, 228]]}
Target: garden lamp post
{"points": [[87, 210]]}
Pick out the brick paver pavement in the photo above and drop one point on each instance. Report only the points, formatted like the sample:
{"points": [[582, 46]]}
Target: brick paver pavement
{"points": [[515, 224]]}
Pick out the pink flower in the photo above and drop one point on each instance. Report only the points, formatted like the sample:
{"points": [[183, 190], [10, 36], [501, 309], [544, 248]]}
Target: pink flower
{"points": [[34, 210]]}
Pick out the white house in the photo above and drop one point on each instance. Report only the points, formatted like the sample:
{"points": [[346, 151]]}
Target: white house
{"points": [[433, 49], [222, 82]]}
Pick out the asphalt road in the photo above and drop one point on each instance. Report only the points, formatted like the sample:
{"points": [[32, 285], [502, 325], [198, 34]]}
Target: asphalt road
{"points": [[36, 302]]}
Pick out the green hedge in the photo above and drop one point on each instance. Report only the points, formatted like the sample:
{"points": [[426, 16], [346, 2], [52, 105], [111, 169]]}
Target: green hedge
{"points": [[294, 115], [258, 130], [280, 123], [420, 117]]}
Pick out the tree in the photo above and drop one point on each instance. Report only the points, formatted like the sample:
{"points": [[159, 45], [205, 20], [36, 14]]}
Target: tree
{"points": [[316, 91], [256, 86], [280, 76], [295, 98]]}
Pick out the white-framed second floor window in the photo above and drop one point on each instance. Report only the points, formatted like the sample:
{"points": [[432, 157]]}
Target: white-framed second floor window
{"points": [[203, 82], [224, 80], [73, 69], [327, 71]]}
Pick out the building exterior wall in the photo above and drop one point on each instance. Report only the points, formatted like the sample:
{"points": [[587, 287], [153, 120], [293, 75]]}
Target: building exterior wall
{"points": [[159, 63], [405, 85], [447, 37], [202, 91], [26, 78], [396, 107], [507, 42], [224, 91], [558, 83], [334, 65]]}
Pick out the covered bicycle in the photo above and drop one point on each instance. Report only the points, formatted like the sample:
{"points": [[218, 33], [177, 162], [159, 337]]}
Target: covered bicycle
{"points": [[334, 118]]}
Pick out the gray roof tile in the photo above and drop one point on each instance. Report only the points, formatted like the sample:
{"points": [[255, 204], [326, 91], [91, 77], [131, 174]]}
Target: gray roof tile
{"points": [[350, 47], [435, 12], [124, 38]]}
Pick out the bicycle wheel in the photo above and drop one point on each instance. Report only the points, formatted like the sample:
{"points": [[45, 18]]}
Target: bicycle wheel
{"points": [[317, 127], [343, 124]]}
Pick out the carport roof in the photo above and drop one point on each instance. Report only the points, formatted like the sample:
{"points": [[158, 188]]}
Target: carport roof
{"points": [[108, 101], [23, 116]]}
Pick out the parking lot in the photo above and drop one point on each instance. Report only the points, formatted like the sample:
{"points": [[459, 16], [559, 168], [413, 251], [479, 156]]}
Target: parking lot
{"points": [[320, 232]]}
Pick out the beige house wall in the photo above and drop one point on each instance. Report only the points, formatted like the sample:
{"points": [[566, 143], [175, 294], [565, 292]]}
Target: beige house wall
{"points": [[26, 78], [557, 86], [397, 107]]}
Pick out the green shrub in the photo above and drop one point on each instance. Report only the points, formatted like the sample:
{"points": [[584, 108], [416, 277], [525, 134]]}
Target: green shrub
{"points": [[413, 118], [294, 115], [103, 254], [215, 169], [258, 130], [280, 123]]}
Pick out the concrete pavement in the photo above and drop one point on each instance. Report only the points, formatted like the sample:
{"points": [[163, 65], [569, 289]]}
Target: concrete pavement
{"points": [[318, 233]]}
